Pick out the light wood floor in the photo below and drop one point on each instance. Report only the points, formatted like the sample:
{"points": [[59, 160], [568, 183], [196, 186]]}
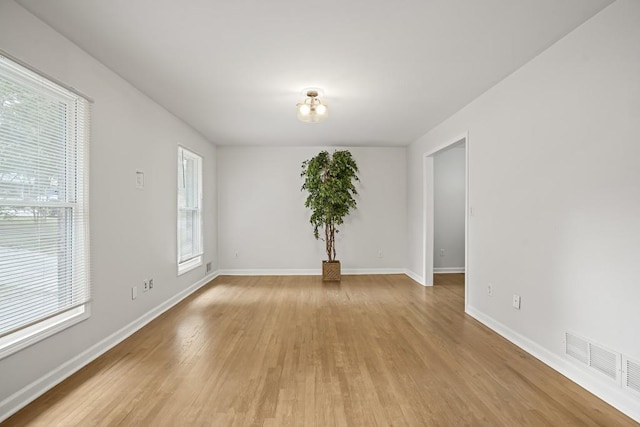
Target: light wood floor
{"points": [[278, 351]]}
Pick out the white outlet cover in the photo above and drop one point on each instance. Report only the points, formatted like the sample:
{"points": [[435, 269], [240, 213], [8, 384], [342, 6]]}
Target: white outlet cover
{"points": [[139, 180], [516, 302]]}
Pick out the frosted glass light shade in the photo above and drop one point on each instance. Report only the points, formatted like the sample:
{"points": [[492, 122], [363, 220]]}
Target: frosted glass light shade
{"points": [[321, 110], [304, 109], [312, 110]]}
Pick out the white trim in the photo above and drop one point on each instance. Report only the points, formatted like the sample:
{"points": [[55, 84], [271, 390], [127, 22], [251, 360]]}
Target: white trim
{"points": [[305, 271], [428, 212], [34, 319], [355, 271], [21, 204], [196, 260], [45, 75], [189, 265], [427, 222], [416, 278], [467, 214], [603, 388], [29, 393], [318, 272], [448, 270], [269, 272], [26, 337]]}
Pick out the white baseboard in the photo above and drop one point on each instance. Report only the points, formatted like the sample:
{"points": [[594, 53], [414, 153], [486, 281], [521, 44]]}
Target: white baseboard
{"points": [[447, 270], [31, 392], [305, 272], [269, 272], [348, 271], [605, 390], [318, 272], [415, 277]]}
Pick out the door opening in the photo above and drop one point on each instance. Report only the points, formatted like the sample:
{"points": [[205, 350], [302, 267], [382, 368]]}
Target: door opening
{"points": [[449, 208], [446, 210]]}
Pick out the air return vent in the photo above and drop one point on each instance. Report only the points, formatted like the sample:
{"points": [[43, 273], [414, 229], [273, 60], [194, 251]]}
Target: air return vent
{"points": [[631, 375], [604, 361], [577, 348], [593, 355]]}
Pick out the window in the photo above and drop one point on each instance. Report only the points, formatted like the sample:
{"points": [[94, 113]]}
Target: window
{"points": [[189, 210], [44, 221]]}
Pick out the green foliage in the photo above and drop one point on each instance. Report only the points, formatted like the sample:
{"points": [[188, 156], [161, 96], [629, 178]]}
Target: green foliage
{"points": [[329, 180]]}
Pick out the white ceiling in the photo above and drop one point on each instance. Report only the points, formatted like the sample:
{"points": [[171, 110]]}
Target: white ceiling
{"points": [[390, 70]]}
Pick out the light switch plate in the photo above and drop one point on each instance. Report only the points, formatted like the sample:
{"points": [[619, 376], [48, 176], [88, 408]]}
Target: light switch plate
{"points": [[516, 301], [139, 180]]}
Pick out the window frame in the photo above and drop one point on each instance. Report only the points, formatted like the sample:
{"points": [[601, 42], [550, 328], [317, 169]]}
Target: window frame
{"points": [[196, 260], [76, 235]]}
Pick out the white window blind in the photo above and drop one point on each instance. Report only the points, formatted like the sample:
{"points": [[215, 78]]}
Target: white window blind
{"points": [[189, 210], [44, 203]]}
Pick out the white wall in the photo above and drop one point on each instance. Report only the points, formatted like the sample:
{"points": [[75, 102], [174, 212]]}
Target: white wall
{"points": [[449, 209], [133, 232], [555, 190], [262, 214]]}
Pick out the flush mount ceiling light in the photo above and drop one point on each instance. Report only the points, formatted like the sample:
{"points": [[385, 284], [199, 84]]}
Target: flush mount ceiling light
{"points": [[312, 110]]}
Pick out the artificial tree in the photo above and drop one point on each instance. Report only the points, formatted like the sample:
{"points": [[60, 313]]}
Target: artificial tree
{"points": [[329, 179]]}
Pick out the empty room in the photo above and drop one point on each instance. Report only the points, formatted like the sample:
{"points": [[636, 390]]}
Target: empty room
{"points": [[280, 213]]}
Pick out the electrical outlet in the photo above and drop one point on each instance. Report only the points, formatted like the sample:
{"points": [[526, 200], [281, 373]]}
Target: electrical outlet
{"points": [[441, 252], [490, 289], [146, 286], [379, 253], [209, 267], [150, 283], [516, 301], [140, 180], [134, 292], [236, 255]]}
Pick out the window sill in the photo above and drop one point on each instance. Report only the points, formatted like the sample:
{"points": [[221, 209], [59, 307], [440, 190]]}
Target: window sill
{"points": [[189, 265], [23, 338]]}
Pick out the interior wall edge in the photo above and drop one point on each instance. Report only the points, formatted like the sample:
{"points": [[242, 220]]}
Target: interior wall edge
{"points": [[415, 277]]}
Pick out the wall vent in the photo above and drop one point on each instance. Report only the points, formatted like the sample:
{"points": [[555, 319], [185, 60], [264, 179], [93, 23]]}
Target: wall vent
{"points": [[604, 361], [594, 356], [631, 375], [577, 348]]}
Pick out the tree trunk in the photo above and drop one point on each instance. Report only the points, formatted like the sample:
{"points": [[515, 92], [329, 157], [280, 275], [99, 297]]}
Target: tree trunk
{"points": [[333, 242], [327, 241], [330, 241]]}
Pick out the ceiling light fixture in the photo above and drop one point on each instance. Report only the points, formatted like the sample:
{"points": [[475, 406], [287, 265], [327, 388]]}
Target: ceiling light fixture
{"points": [[311, 109]]}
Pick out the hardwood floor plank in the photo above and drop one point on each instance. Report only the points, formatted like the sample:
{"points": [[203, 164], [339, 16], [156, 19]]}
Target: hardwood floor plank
{"points": [[294, 351]]}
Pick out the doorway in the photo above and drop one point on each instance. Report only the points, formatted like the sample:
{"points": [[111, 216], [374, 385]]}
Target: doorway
{"points": [[433, 254]]}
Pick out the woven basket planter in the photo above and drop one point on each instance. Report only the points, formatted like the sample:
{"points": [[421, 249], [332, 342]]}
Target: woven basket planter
{"points": [[331, 271]]}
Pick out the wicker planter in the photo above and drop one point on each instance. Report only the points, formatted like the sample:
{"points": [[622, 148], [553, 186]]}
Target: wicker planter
{"points": [[330, 271]]}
